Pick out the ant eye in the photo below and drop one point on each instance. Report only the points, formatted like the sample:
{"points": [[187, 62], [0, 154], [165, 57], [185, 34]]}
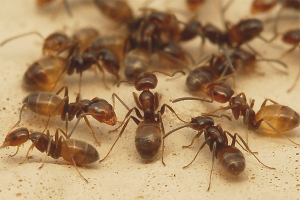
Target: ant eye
{"points": [[15, 137], [215, 93]]}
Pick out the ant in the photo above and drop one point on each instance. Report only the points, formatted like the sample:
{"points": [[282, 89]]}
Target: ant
{"points": [[150, 126], [64, 55], [231, 158], [49, 104], [75, 151], [274, 118]]}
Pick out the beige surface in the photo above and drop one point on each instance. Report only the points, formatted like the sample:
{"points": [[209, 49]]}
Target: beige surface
{"points": [[123, 175]]}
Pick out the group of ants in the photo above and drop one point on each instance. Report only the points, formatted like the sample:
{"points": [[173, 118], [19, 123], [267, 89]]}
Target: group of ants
{"points": [[153, 32]]}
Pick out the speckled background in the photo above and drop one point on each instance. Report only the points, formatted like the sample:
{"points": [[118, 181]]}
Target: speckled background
{"points": [[123, 175]]}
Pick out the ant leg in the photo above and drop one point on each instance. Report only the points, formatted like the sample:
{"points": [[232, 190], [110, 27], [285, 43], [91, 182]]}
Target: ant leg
{"points": [[163, 142], [196, 137], [31, 148], [265, 102], [176, 129], [127, 115], [136, 100], [162, 110], [71, 157], [221, 108], [65, 100], [248, 149], [201, 147], [114, 95], [212, 165], [91, 129], [219, 116], [120, 134], [294, 84], [233, 143], [103, 74], [18, 122], [47, 151], [15, 153]]}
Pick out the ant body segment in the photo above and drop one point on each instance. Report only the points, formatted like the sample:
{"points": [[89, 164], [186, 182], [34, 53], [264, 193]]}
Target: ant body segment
{"points": [[49, 104], [230, 157], [75, 151], [150, 125]]}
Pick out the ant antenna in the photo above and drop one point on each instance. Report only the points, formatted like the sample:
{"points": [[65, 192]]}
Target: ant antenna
{"points": [[21, 35]]}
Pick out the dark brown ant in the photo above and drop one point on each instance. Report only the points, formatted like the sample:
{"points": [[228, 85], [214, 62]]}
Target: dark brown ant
{"points": [[150, 126], [49, 104], [231, 158], [75, 151], [273, 118]]}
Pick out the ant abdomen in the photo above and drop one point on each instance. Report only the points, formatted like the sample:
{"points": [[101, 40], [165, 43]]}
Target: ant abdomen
{"points": [[44, 103], [198, 77], [282, 118], [136, 61], [85, 153], [148, 140], [244, 31], [231, 159], [43, 74]]}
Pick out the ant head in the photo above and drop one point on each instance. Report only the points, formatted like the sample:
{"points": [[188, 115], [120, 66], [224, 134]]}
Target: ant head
{"points": [[55, 43], [145, 81], [220, 92], [201, 122], [102, 111], [250, 28], [16, 137]]}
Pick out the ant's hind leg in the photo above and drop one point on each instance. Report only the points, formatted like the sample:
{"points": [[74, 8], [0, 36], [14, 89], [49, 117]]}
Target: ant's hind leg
{"points": [[265, 102]]}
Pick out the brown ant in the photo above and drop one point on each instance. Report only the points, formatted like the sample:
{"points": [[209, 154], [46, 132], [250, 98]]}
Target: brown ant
{"points": [[231, 158], [150, 126], [49, 104], [75, 151], [274, 118], [64, 55]]}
